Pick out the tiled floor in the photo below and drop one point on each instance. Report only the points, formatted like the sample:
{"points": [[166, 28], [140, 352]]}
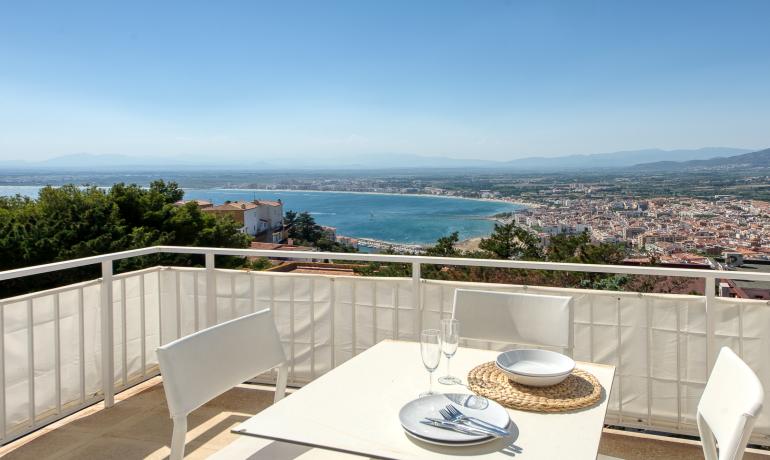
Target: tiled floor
{"points": [[138, 426]]}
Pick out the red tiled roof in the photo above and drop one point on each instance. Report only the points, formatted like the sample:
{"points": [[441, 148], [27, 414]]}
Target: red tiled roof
{"points": [[234, 206], [270, 203], [198, 202], [278, 247]]}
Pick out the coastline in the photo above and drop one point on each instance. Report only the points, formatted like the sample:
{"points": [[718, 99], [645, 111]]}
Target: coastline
{"points": [[469, 243], [524, 204], [492, 200]]}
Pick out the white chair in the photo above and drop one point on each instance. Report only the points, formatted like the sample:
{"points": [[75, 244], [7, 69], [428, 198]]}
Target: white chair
{"points": [[523, 319], [730, 404], [202, 366]]}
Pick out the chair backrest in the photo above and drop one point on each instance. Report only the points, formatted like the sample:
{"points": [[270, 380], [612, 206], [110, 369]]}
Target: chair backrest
{"points": [[526, 319], [201, 366], [730, 404]]}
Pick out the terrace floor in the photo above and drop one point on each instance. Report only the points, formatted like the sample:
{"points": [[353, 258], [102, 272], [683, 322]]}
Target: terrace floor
{"points": [[138, 426]]}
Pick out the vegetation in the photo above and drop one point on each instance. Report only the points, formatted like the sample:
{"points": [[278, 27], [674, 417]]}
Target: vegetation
{"points": [[70, 222], [305, 232], [509, 241]]}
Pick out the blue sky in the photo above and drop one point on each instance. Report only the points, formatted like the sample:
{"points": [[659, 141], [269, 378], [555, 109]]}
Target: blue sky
{"points": [[486, 79]]}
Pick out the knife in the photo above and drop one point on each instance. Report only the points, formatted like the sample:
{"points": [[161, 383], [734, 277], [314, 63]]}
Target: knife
{"points": [[481, 424], [460, 428]]}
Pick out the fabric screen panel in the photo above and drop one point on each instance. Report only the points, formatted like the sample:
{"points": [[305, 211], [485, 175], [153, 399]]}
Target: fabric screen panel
{"points": [[322, 320], [56, 314], [168, 301], [66, 358], [17, 363], [744, 326], [92, 349], [657, 342]]}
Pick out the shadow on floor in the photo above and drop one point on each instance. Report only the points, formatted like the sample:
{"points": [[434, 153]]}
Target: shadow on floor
{"points": [[139, 427]]}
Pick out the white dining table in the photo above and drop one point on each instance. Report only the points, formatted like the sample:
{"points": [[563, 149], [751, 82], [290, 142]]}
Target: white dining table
{"points": [[354, 409]]}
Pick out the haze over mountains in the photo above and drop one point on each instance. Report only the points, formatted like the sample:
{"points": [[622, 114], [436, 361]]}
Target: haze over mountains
{"points": [[648, 159], [752, 160]]}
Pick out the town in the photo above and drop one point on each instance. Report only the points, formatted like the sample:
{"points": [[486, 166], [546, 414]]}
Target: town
{"points": [[719, 232]]}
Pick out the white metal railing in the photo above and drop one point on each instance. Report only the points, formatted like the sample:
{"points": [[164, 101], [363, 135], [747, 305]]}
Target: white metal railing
{"points": [[51, 347]]}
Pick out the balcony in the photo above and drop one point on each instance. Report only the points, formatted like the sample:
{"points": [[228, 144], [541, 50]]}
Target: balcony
{"points": [[53, 367]]}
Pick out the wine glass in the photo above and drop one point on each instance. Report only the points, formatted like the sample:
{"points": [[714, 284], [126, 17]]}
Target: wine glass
{"points": [[450, 337], [430, 348]]}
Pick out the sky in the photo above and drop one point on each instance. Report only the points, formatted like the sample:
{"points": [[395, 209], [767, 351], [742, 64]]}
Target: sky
{"points": [[493, 80]]}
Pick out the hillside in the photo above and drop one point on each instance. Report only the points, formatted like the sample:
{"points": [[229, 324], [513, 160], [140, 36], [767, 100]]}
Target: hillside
{"points": [[621, 159], [752, 160], [613, 160]]}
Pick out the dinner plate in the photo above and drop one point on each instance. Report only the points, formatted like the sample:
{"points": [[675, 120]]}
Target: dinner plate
{"points": [[471, 405], [448, 443]]}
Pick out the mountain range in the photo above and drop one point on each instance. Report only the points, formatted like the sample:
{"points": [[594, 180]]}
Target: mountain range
{"points": [[752, 160], [648, 159]]}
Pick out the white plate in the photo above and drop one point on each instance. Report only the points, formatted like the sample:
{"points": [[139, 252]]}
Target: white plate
{"points": [[428, 406], [535, 363], [452, 444], [545, 381]]}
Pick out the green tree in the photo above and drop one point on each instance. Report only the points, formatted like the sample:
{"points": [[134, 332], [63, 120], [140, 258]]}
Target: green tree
{"points": [[580, 249], [445, 246], [509, 241], [305, 231], [289, 218], [71, 222], [260, 263]]}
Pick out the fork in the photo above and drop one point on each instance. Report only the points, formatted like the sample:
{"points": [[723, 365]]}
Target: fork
{"points": [[456, 426], [453, 414]]}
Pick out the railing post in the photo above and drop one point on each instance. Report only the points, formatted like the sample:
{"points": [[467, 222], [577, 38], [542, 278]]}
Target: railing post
{"points": [[710, 309], [416, 297], [108, 340], [211, 291]]}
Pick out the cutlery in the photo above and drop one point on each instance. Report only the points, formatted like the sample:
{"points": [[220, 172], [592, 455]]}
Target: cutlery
{"points": [[452, 426], [452, 414]]}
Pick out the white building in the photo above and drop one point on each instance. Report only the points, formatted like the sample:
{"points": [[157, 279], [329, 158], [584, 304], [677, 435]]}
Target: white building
{"points": [[259, 218]]}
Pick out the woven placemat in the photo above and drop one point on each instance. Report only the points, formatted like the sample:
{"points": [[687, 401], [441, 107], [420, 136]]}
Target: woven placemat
{"points": [[580, 389]]}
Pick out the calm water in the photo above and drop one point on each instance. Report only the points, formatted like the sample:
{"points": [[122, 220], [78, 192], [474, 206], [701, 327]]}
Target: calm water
{"points": [[396, 218]]}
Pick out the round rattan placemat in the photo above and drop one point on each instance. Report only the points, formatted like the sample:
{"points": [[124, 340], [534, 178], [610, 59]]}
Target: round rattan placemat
{"points": [[580, 389]]}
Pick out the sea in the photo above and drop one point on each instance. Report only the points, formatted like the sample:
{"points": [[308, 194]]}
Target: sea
{"points": [[406, 219]]}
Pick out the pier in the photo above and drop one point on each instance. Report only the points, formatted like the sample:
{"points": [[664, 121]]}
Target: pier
{"points": [[386, 245]]}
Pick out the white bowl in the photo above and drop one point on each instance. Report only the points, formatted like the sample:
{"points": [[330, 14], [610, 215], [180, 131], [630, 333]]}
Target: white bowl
{"points": [[533, 367]]}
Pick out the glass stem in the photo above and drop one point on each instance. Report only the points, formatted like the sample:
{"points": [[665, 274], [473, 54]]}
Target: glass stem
{"points": [[448, 374], [430, 382]]}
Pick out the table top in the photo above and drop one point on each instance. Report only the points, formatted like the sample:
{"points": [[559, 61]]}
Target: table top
{"points": [[354, 408]]}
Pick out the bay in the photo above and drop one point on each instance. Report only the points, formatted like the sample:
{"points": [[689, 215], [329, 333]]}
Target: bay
{"points": [[408, 219]]}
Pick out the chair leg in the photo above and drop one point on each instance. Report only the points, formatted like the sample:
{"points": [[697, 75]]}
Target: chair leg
{"points": [[706, 439], [280, 383], [178, 438]]}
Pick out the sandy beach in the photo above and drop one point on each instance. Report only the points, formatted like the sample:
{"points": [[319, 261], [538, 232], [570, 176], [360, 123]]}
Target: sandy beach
{"points": [[471, 244]]}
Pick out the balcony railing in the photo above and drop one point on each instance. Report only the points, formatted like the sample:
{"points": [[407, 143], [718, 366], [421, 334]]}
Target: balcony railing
{"points": [[51, 347]]}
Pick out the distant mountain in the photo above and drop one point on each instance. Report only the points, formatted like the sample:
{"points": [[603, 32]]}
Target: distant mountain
{"points": [[390, 161], [105, 162], [88, 160], [94, 162], [117, 163], [752, 160], [621, 159]]}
